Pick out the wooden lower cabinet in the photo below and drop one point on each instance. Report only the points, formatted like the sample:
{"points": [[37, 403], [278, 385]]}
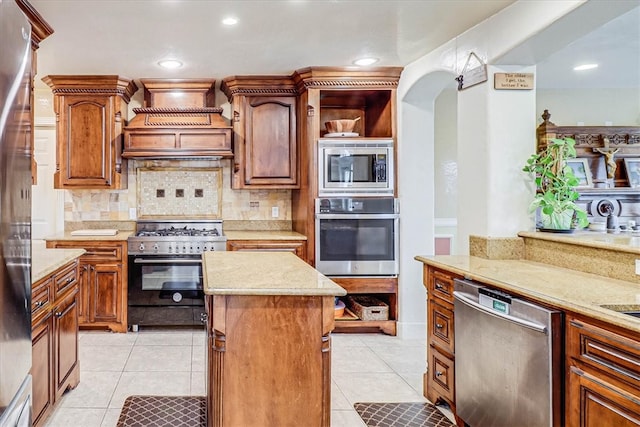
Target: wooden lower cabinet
{"points": [[54, 330], [603, 380], [384, 289], [269, 360], [298, 247], [42, 368], [102, 301]]}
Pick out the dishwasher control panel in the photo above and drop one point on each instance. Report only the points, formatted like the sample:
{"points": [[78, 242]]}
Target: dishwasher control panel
{"points": [[495, 300]]}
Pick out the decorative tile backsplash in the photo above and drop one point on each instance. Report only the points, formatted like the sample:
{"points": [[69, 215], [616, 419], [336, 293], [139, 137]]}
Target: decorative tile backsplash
{"points": [[206, 189], [172, 192]]}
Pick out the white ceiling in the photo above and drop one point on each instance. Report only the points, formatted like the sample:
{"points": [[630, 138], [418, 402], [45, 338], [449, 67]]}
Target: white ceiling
{"points": [[129, 37]]}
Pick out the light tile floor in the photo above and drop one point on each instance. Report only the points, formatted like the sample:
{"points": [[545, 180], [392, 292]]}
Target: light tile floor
{"points": [[365, 368]]}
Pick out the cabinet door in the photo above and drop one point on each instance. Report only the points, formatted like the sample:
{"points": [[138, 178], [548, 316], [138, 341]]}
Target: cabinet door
{"points": [[270, 146], [105, 293], [42, 368], [65, 326], [596, 402], [86, 145]]}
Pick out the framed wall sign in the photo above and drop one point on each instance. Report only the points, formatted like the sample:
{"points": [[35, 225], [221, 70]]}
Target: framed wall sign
{"points": [[632, 166]]}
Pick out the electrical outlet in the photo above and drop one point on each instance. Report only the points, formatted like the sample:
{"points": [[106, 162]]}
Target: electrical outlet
{"points": [[275, 212], [132, 213], [638, 266]]}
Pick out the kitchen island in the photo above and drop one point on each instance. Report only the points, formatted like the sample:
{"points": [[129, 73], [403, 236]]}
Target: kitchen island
{"points": [[599, 341], [270, 316]]}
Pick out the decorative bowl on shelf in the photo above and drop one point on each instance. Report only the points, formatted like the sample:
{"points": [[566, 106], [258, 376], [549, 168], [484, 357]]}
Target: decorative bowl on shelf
{"points": [[341, 125]]}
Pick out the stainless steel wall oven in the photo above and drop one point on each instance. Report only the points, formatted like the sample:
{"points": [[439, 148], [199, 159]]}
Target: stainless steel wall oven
{"points": [[357, 236], [165, 271]]}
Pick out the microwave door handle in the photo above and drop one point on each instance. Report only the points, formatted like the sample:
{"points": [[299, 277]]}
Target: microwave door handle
{"points": [[357, 216]]}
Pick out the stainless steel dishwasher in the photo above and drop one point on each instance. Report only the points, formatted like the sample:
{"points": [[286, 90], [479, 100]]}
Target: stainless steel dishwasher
{"points": [[508, 359]]}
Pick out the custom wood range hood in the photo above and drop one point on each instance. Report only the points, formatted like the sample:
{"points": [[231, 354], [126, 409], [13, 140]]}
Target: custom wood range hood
{"points": [[179, 120]]}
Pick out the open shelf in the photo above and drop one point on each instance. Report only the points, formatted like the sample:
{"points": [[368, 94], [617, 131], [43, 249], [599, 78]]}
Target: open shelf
{"points": [[374, 107]]}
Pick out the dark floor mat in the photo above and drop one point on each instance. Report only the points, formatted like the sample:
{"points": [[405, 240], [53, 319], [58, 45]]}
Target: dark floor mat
{"points": [[402, 415], [163, 411]]}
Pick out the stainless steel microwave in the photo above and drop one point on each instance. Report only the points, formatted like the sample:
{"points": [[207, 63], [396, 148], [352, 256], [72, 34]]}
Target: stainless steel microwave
{"points": [[355, 167]]}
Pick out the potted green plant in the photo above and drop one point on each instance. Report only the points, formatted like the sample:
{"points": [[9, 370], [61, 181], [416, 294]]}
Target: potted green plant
{"points": [[556, 186]]}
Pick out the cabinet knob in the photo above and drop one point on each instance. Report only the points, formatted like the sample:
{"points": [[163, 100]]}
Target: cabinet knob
{"points": [[439, 326], [439, 373], [69, 280], [39, 304], [439, 287], [58, 314]]}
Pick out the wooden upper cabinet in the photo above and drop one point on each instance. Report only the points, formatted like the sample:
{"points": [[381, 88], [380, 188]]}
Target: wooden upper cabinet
{"points": [[40, 30], [90, 115], [265, 132]]}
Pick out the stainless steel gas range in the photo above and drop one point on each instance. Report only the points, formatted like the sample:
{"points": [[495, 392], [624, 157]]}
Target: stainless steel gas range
{"points": [[165, 271]]}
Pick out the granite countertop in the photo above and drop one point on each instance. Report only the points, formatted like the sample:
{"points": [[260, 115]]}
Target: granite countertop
{"points": [[623, 241], [263, 273], [263, 235], [45, 261], [582, 293], [120, 235]]}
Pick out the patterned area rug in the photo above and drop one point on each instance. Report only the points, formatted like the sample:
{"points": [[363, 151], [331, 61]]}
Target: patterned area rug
{"points": [[163, 411], [402, 415]]}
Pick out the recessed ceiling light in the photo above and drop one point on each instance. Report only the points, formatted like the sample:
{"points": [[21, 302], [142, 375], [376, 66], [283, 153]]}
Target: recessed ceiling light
{"points": [[170, 63], [585, 67], [230, 21], [365, 61]]}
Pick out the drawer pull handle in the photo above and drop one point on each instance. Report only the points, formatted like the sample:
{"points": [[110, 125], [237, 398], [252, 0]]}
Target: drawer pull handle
{"points": [[439, 326], [39, 304], [439, 287], [69, 280], [439, 373]]}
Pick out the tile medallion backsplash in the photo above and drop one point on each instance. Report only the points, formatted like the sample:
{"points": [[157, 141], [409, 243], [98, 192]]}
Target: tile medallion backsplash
{"points": [[173, 192], [180, 188]]}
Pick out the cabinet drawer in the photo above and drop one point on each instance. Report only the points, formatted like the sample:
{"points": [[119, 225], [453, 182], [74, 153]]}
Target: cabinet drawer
{"points": [[441, 327], [606, 350], [441, 376], [441, 285], [65, 279], [40, 299], [107, 252]]}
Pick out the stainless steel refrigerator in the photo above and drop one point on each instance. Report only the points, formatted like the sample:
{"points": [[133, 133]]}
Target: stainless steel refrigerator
{"points": [[15, 217]]}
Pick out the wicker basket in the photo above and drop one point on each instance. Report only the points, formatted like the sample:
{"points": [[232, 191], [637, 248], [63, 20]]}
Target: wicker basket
{"points": [[368, 307]]}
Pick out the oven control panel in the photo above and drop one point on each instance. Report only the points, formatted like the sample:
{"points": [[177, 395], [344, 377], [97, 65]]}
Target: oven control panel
{"points": [[174, 247]]}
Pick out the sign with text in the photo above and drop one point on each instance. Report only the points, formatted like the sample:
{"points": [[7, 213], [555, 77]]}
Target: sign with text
{"points": [[513, 81]]}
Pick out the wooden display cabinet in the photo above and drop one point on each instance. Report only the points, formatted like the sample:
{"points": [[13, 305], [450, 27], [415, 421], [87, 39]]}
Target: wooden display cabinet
{"points": [[102, 301], [327, 93], [265, 142]]}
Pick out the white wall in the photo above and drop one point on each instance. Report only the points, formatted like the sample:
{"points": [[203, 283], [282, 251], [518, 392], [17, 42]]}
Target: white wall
{"points": [[591, 107]]}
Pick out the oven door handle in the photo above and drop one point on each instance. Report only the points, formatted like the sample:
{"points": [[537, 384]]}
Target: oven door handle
{"points": [[166, 261], [357, 216]]}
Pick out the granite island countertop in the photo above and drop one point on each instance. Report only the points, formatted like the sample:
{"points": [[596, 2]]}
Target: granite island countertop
{"points": [[263, 273], [582, 293], [45, 261]]}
